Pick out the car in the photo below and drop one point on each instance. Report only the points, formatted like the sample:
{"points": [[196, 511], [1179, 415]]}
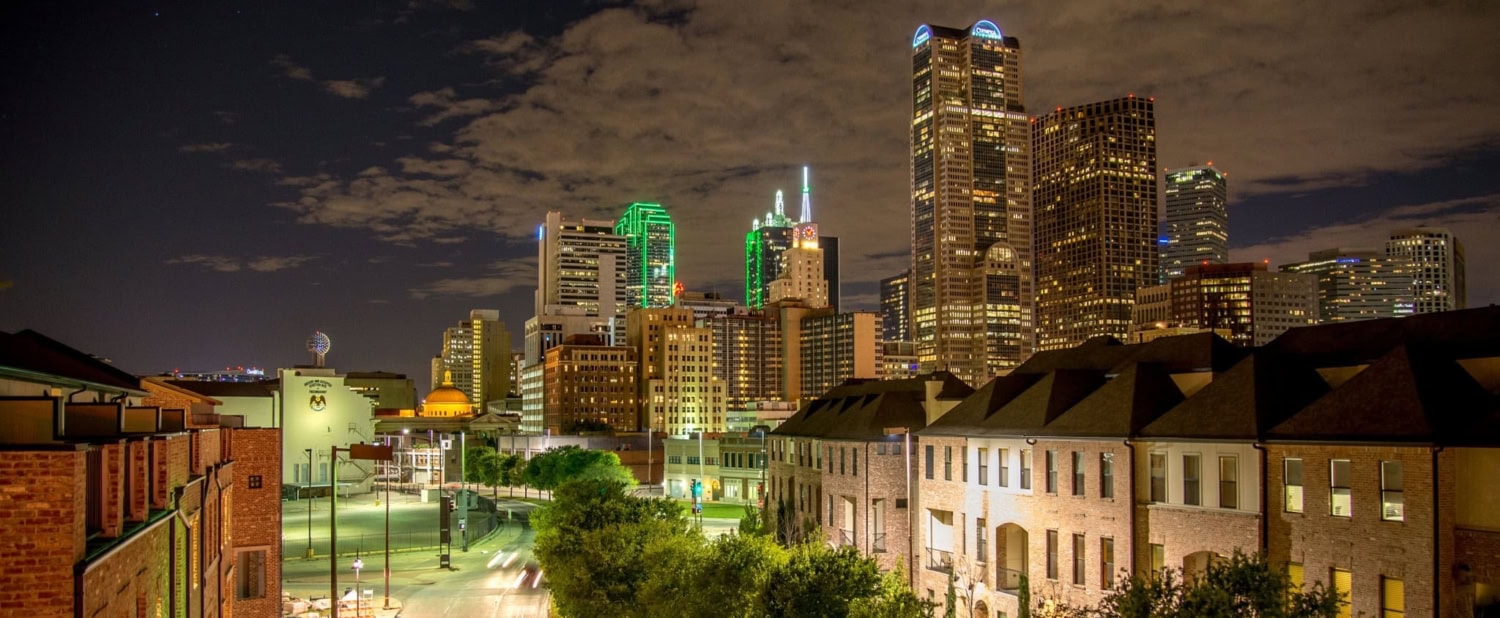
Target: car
{"points": [[531, 576]]}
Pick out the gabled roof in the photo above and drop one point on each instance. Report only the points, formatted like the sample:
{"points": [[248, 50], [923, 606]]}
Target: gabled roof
{"points": [[1183, 353], [1137, 396], [1408, 395], [862, 411], [166, 384], [207, 388], [1098, 353], [1460, 334], [1241, 404], [970, 414], [32, 352], [1051, 396]]}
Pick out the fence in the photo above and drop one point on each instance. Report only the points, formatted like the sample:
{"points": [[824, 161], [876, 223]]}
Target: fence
{"points": [[481, 522]]}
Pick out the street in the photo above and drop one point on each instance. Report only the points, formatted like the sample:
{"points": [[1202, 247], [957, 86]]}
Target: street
{"points": [[490, 580]]}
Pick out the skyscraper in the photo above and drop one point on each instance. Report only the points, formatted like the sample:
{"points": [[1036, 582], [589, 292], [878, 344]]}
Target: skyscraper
{"points": [[971, 171], [766, 257], [747, 356], [765, 241], [894, 312], [650, 258], [1437, 262], [1246, 303], [679, 392], [1197, 200], [1095, 200], [477, 353], [580, 263], [802, 269], [1358, 284]]}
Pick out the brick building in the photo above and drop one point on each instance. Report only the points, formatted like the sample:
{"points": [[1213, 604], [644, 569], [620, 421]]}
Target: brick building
{"points": [[125, 498], [1361, 455]]}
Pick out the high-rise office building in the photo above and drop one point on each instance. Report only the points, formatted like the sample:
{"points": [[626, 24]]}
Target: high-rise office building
{"points": [[1243, 302], [767, 239], [1358, 284], [835, 347], [477, 352], [895, 315], [549, 330], [679, 392], [830, 248], [1437, 262], [971, 175], [1196, 199], [580, 263], [766, 254], [747, 356], [1095, 201], [588, 385], [651, 255], [802, 269]]}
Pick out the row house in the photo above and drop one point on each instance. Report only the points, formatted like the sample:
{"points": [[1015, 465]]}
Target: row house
{"points": [[1360, 456], [127, 498]]}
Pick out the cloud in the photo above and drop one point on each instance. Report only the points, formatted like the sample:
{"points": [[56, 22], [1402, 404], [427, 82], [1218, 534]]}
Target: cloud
{"points": [[292, 69], [710, 107], [227, 117], [268, 166], [227, 264], [205, 147], [353, 88], [1472, 219], [501, 278]]}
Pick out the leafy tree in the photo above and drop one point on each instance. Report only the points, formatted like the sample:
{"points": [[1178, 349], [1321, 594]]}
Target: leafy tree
{"points": [[821, 582], [482, 466], [551, 469], [512, 469], [753, 523], [728, 577], [895, 599], [1241, 585]]}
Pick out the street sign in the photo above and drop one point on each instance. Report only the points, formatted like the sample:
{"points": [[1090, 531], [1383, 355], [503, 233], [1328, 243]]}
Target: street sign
{"points": [[447, 444], [370, 451]]}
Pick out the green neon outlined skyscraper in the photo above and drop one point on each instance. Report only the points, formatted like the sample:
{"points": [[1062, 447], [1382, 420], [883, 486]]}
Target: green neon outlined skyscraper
{"points": [[651, 254]]}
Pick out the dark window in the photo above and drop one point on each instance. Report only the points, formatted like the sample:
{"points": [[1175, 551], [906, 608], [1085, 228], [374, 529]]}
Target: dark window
{"points": [[1106, 564], [1229, 482], [984, 466], [947, 463], [1051, 457], [981, 542], [1392, 491], [1079, 565], [1191, 465], [1077, 473], [250, 575], [928, 454], [1107, 475], [1004, 457], [1051, 554], [254, 481], [1026, 469], [1158, 477]]}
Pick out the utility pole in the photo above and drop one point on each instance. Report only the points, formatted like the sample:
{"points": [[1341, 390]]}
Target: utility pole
{"points": [[309, 503], [333, 530]]}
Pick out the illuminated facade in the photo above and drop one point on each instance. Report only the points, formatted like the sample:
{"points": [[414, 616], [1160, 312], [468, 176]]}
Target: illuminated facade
{"points": [[1095, 201], [581, 263], [589, 386], [764, 244], [802, 269], [650, 257], [747, 356], [1244, 302], [1437, 261], [971, 175], [779, 248], [1358, 284], [834, 347], [895, 315], [1197, 200], [679, 391], [477, 352]]}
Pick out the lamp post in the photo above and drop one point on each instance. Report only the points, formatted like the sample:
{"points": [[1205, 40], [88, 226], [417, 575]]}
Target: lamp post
{"points": [[359, 596], [309, 503]]}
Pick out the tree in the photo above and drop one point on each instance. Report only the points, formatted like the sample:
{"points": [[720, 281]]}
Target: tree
{"points": [[895, 599], [1241, 585], [818, 582], [950, 599], [512, 469], [482, 466], [753, 523], [551, 469]]}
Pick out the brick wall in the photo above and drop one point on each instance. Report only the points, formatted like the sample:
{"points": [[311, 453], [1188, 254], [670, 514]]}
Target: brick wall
{"points": [[255, 515], [42, 506], [138, 572], [1365, 545], [137, 454]]}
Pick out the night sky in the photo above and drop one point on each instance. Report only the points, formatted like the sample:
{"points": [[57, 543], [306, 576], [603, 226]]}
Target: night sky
{"points": [[196, 185]]}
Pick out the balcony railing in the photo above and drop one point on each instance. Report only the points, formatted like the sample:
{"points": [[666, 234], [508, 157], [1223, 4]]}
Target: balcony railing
{"points": [[879, 542], [939, 560], [846, 536], [1007, 580]]}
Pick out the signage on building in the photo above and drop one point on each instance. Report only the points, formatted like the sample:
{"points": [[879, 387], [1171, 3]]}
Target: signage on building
{"points": [[317, 394]]}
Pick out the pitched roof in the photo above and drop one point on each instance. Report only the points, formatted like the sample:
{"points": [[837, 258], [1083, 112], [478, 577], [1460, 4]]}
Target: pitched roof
{"points": [[1100, 353], [1047, 399], [970, 414], [36, 353], [1408, 395], [1119, 408], [863, 410], [1461, 334], [1241, 404], [1195, 352]]}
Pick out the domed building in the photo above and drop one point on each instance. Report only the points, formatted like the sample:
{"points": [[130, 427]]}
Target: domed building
{"points": [[446, 401]]}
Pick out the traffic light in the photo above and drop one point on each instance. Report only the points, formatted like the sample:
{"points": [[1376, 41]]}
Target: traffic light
{"points": [[697, 488]]}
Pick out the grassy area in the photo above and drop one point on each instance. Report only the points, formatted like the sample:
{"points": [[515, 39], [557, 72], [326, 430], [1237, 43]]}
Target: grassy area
{"points": [[718, 510]]}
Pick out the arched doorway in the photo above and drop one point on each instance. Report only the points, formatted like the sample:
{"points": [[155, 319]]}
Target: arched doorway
{"points": [[1196, 564], [981, 610], [1010, 557]]}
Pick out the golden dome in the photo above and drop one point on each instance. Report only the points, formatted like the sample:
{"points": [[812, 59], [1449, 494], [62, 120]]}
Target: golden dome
{"points": [[447, 394]]}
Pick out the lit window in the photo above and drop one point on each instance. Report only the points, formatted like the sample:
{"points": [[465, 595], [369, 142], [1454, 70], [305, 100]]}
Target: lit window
{"points": [[1339, 478], [1392, 498], [1292, 485]]}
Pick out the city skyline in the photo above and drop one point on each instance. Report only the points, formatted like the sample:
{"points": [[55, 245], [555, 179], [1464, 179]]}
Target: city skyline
{"points": [[414, 203]]}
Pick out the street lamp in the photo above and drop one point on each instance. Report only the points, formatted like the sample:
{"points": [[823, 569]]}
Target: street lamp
{"points": [[359, 595], [309, 503]]}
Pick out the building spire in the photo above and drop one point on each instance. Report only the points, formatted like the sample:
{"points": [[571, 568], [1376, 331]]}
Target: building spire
{"points": [[780, 205], [806, 198]]}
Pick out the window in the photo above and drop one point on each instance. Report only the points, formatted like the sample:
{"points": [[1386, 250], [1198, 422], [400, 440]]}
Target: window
{"points": [[250, 575], [1025, 468], [929, 462], [1004, 457], [830, 510], [1158, 560], [692, 460], [1392, 501], [1051, 459], [1229, 482], [1077, 473], [1295, 575], [1341, 503], [984, 466], [1342, 584], [841, 460], [1106, 475], [254, 482], [854, 461], [1158, 477], [1051, 554], [1106, 564], [1079, 565], [879, 448], [963, 464], [981, 542], [1191, 465], [947, 463], [1392, 598], [1292, 485]]}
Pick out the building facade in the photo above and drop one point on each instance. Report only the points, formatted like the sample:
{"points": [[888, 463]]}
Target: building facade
{"points": [[1247, 303], [1197, 205], [747, 357], [679, 391], [1358, 284], [767, 239], [802, 269], [895, 312], [477, 352], [1096, 205], [580, 263], [971, 175], [834, 347], [650, 255], [1436, 259], [588, 386]]}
